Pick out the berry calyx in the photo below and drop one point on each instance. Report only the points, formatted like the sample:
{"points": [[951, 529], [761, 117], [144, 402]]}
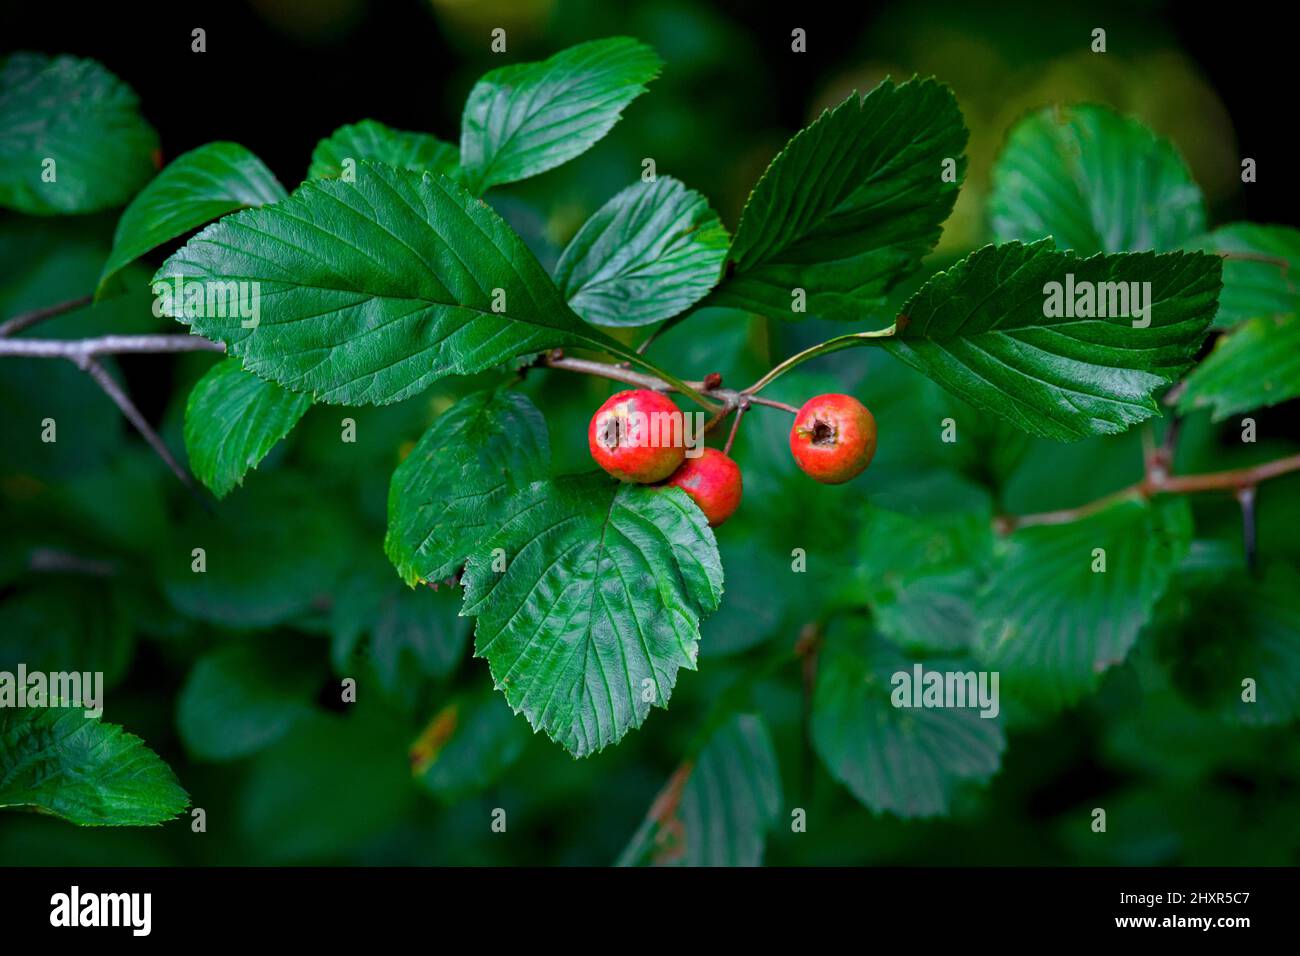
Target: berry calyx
{"points": [[713, 482], [833, 438], [637, 436]]}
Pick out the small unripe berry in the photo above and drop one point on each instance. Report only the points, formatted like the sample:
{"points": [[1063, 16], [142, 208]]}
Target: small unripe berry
{"points": [[637, 436], [833, 438], [713, 482]]}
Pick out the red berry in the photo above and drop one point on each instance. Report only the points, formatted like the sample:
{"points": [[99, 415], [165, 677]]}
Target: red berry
{"points": [[637, 436], [833, 438], [713, 482]]}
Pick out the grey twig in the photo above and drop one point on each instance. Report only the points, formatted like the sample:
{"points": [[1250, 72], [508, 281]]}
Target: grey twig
{"points": [[52, 559], [26, 320], [80, 350], [735, 426], [84, 354]]}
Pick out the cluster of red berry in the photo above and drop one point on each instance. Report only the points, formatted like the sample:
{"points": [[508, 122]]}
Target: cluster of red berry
{"points": [[833, 440]]}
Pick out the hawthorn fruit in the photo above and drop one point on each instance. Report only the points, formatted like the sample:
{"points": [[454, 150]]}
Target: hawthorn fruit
{"points": [[833, 438], [713, 482], [637, 436]]}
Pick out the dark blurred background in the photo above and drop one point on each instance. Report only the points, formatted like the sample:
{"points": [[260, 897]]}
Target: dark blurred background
{"points": [[278, 76]]}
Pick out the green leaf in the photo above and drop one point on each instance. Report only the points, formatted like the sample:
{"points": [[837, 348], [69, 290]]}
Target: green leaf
{"points": [[851, 205], [47, 261], [1255, 365], [370, 139], [58, 761], [770, 598], [1052, 622], [467, 746], [83, 118], [404, 634], [1051, 476], [921, 575], [334, 785], [232, 419], [1222, 631], [445, 494], [242, 698], [599, 604], [524, 119], [193, 189], [268, 553], [1094, 180], [1261, 271], [907, 761], [88, 425], [68, 624], [717, 808], [370, 291], [1151, 728], [979, 330], [649, 253]]}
